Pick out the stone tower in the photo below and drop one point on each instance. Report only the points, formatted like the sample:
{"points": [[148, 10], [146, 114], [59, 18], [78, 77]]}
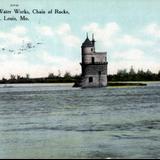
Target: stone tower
{"points": [[94, 65]]}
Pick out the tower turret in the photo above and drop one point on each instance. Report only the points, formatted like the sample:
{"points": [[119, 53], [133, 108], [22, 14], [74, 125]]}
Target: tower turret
{"points": [[87, 49]]}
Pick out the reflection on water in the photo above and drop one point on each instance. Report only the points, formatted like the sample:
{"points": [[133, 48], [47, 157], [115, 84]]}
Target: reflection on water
{"points": [[58, 121]]}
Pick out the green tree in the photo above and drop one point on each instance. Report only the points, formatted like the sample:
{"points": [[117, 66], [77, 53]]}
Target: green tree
{"points": [[59, 73], [140, 75], [132, 71], [149, 72], [67, 75], [18, 77], [51, 75], [158, 76], [122, 75], [4, 79], [12, 77], [122, 72], [27, 76]]}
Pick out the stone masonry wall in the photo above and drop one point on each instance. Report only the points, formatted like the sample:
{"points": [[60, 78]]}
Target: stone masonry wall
{"points": [[97, 81], [92, 69]]}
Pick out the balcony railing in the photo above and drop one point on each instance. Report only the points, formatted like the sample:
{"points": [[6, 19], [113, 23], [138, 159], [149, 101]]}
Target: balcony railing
{"points": [[92, 63]]}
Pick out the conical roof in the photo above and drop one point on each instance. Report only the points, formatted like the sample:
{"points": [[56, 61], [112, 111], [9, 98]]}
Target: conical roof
{"points": [[87, 43]]}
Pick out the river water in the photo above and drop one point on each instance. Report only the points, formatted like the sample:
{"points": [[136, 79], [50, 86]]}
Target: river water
{"points": [[58, 121]]}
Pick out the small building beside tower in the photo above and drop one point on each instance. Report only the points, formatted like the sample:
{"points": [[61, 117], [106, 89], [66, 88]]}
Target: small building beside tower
{"points": [[94, 65]]}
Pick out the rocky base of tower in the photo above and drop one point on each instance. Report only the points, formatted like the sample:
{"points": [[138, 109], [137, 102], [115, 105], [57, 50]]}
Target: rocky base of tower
{"points": [[114, 84], [98, 83]]}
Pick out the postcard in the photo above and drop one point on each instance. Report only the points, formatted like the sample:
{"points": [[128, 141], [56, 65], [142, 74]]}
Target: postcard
{"points": [[79, 79]]}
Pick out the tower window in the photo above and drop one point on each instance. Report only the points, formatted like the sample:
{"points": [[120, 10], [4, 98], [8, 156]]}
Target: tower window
{"points": [[91, 49], [90, 79]]}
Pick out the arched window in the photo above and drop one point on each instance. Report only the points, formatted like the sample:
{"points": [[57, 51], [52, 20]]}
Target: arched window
{"points": [[92, 49]]}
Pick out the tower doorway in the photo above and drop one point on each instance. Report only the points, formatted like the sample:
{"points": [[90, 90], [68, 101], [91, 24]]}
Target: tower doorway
{"points": [[90, 79], [93, 59]]}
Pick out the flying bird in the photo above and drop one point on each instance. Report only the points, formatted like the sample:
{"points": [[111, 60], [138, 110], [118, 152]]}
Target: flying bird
{"points": [[11, 50], [25, 47], [39, 43], [29, 45]]}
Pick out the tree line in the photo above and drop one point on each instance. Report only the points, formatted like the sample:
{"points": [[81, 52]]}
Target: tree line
{"points": [[132, 75], [51, 78], [121, 75]]}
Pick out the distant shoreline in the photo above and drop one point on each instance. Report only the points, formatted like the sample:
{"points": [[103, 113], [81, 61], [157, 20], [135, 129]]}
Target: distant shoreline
{"points": [[122, 78], [110, 83]]}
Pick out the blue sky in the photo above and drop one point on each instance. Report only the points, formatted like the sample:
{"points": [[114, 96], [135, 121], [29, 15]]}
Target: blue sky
{"points": [[129, 30]]}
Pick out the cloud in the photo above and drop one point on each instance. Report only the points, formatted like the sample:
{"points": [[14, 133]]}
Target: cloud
{"points": [[38, 62], [45, 63], [124, 49], [45, 30], [19, 30], [60, 63], [107, 31], [67, 37], [62, 32], [132, 57], [104, 34], [137, 65], [153, 29], [12, 64], [129, 55], [2, 45], [71, 41], [111, 35], [63, 29], [130, 40], [15, 36]]}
